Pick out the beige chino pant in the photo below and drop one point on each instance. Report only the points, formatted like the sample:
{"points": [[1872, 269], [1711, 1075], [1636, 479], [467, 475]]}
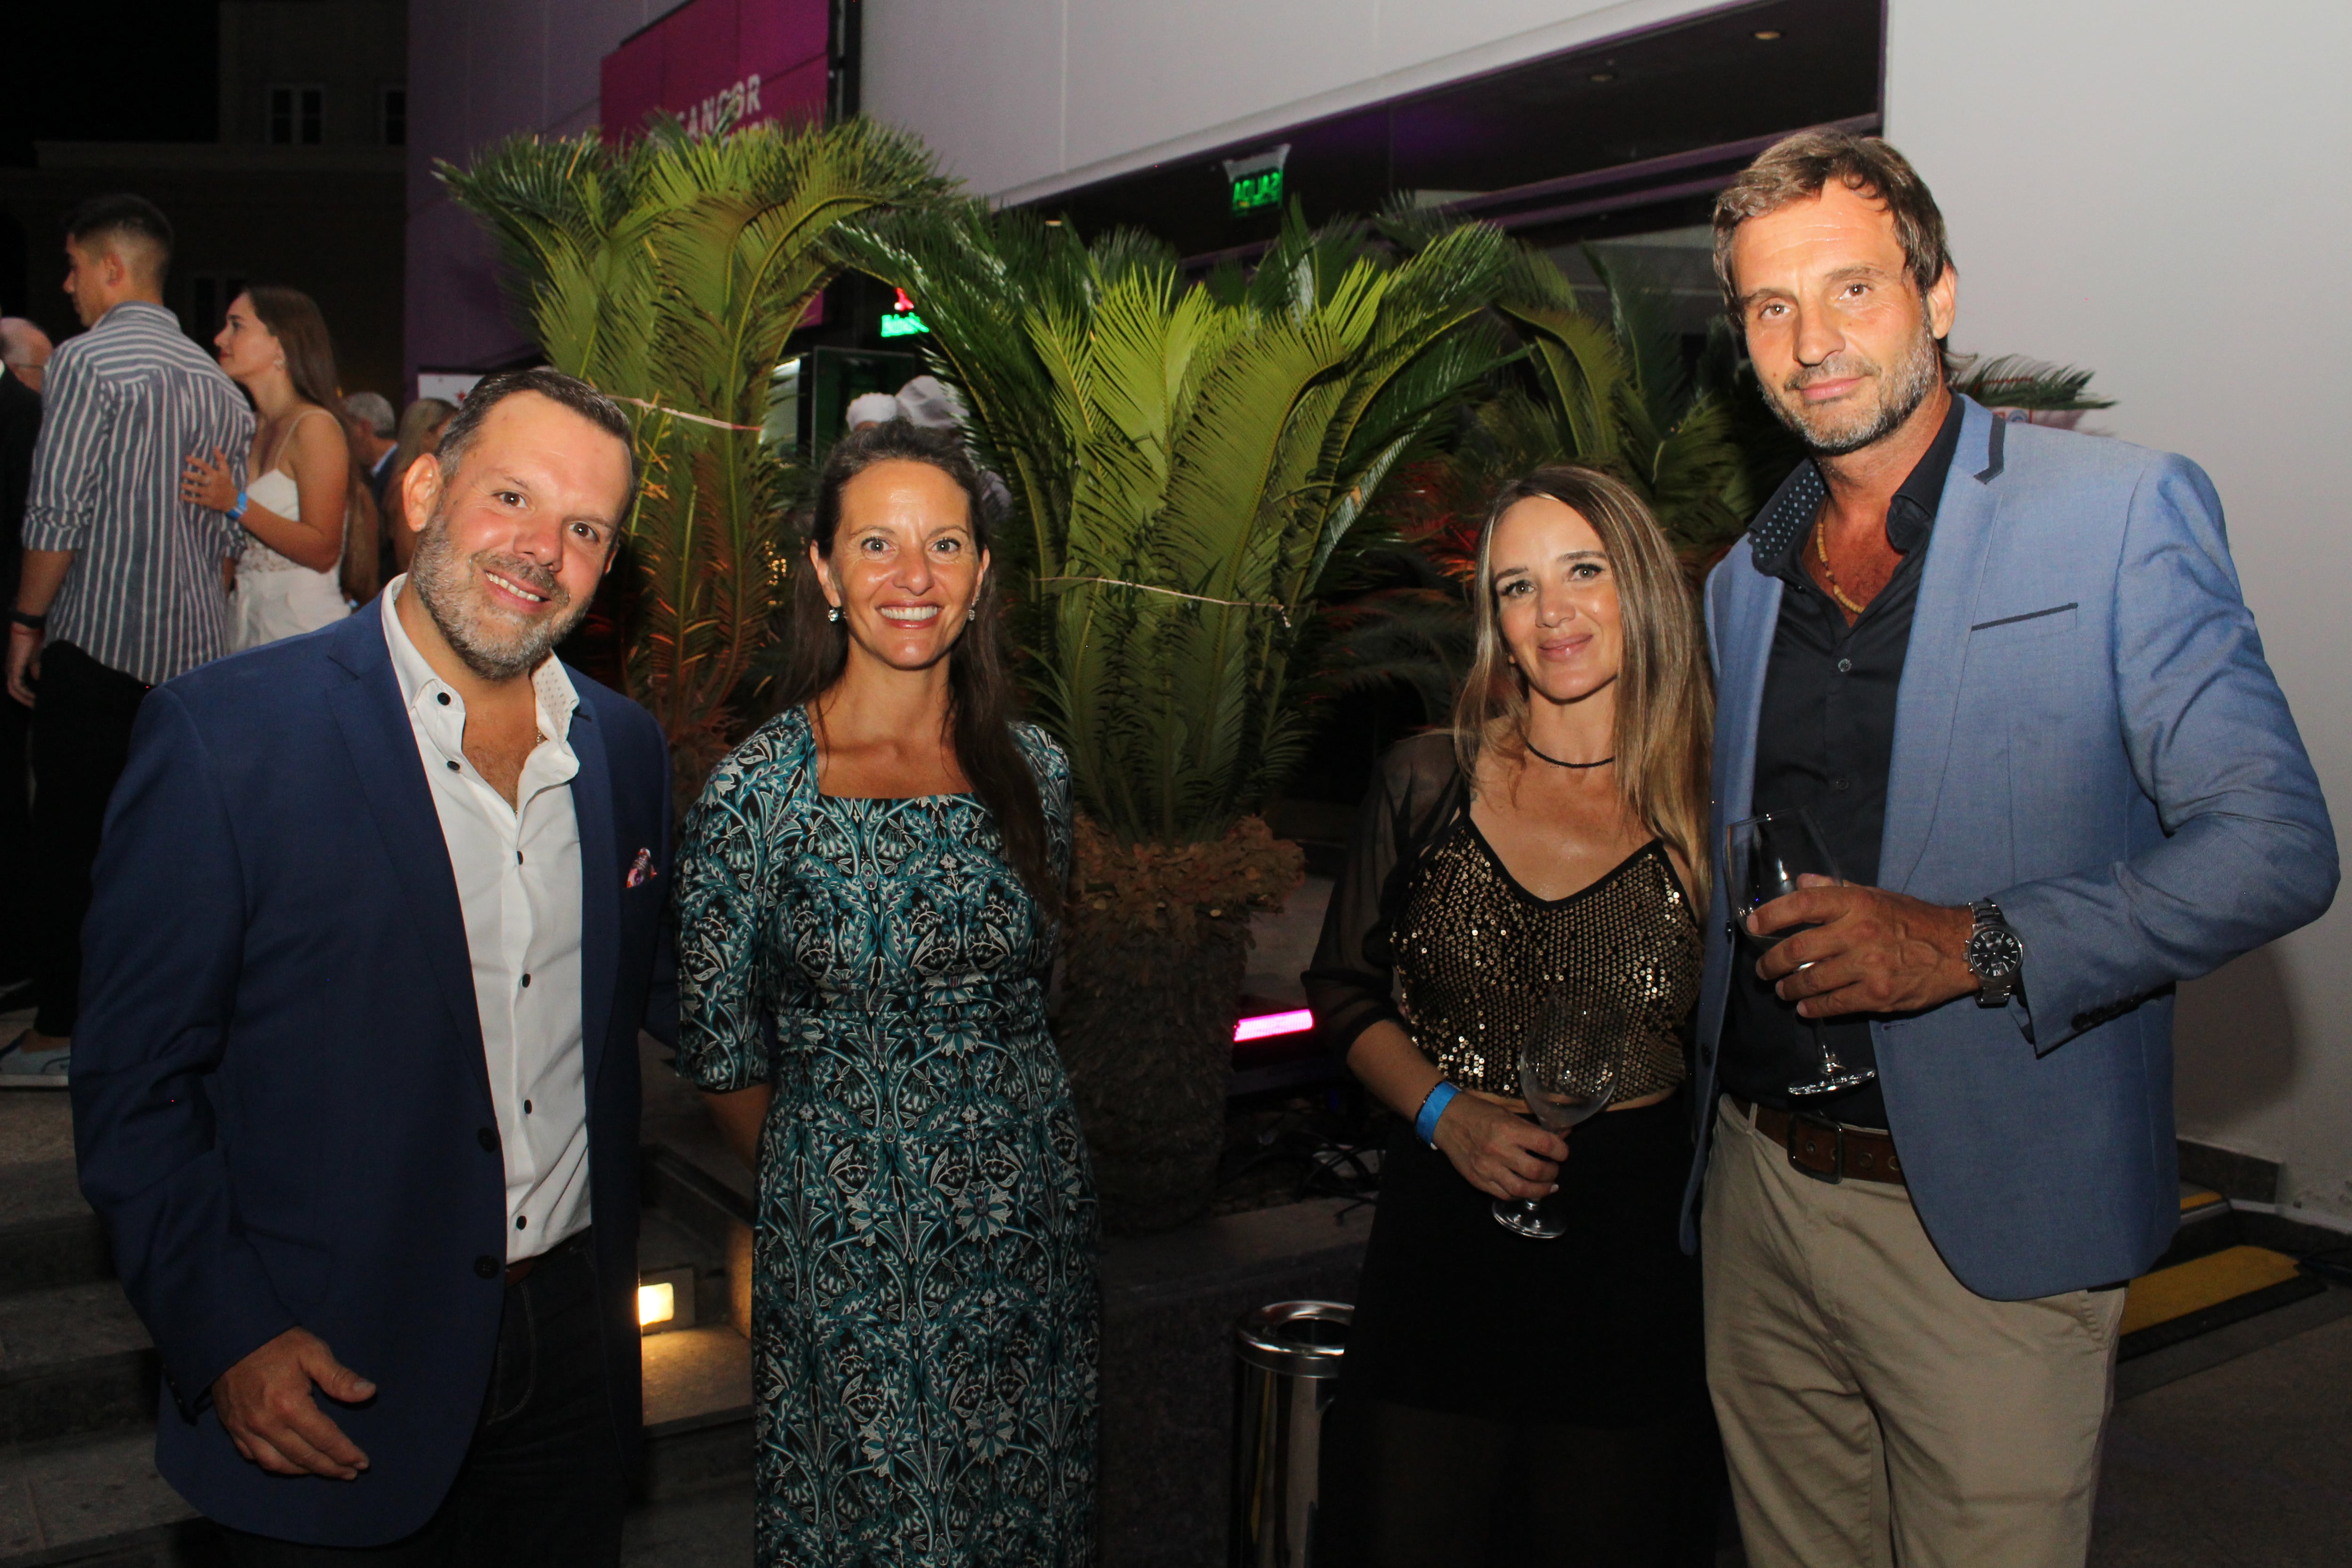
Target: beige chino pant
{"points": [[1875, 1411]]}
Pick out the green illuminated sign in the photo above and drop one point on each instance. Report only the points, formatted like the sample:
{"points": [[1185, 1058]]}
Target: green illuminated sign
{"points": [[1252, 191], [1256, 180], [900, 321]]}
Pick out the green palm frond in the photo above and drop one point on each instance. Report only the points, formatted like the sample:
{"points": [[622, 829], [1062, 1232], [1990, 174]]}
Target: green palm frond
{"points": [[671, 271], [2013, 381], [1193, 463]]}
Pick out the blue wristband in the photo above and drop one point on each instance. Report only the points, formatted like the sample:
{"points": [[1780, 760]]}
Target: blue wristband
{"points": [[236, 513], [1425, 1126]]}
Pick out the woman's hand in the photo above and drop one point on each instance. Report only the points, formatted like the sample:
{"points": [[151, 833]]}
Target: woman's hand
{"points": [[1502, 1154], [207, 484]]}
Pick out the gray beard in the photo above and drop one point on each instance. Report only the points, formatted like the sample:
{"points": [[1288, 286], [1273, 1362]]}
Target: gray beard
{"points": [[444, 582], [1914, 377]]}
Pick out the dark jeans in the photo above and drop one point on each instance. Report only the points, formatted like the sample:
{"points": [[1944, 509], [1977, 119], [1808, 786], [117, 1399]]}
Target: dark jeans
{"points": [[82, 739], [543, 1486], [17, 924]]}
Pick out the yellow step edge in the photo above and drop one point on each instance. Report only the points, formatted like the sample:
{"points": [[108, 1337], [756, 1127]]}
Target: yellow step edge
{"points": [[2202, 1282], [2195, 1199]]}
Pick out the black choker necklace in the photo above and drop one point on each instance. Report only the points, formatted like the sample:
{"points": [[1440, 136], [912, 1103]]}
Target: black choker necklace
{"points": [[1555, 761]]}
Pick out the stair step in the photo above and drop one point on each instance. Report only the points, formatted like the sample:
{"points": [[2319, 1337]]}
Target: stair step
{"points": [[2169, 1305], [74, 1359], [89, 1500], [48, 1236]]}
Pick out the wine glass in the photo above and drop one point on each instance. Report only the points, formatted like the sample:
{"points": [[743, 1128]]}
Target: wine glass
{"points": [[1764, 856], [1569, 1063]]}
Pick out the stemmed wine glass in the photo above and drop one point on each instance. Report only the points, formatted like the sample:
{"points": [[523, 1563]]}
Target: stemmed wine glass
{"points": [[1764, 856], [1569, 1064]]}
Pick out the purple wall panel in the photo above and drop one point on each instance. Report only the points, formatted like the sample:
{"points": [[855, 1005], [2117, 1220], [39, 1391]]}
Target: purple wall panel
{"points": [[748, 58]]}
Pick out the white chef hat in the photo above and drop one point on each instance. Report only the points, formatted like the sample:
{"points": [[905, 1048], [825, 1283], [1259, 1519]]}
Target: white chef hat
{"points": [[874, 408], [930, 403]]}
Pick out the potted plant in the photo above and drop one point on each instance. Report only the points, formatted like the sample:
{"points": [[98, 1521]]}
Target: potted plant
{"points": [[668, 272], [1190, 463]]}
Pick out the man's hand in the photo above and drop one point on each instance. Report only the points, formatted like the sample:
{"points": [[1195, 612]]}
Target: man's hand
{"points": [[1501, 1154], [1872, 950], [24, 662], [265, 1406]]}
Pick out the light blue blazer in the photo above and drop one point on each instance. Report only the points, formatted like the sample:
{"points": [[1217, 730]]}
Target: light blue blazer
{"points": [[2087, 732]]}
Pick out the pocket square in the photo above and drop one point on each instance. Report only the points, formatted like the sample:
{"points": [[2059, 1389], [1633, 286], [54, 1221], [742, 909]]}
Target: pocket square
{"points": [[641, 869]]}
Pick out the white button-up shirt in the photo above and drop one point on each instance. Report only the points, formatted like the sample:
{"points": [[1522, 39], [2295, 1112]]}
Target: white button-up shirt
{"points": [[518, 871]]}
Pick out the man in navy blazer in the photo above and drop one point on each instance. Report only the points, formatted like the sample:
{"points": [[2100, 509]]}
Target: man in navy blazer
{"points": [[2007, 672], [372, 1189]]}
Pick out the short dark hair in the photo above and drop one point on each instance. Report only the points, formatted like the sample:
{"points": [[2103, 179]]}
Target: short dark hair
{"points": [[1796, 168], [123, 217], [554, 385]]}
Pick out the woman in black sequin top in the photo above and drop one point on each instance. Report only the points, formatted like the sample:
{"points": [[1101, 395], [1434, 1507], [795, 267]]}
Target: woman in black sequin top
{"points": [[1504, 1399]]}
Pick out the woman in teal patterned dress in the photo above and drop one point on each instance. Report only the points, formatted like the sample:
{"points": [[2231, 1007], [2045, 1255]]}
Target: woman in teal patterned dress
{"points": [[868, 895]]}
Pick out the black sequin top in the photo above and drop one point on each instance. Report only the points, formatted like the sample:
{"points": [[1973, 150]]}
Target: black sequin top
{"points": [[1427, 929]]}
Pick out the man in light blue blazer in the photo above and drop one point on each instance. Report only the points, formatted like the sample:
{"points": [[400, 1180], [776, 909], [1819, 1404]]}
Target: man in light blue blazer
{"points": [[2007, 673]]}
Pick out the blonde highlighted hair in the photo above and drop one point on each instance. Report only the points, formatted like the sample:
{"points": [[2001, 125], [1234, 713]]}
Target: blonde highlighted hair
{"points": [[1666, 701]]}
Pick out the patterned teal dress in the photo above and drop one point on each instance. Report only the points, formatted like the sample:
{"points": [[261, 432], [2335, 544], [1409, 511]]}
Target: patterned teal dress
{"points": [[924, 1311]]}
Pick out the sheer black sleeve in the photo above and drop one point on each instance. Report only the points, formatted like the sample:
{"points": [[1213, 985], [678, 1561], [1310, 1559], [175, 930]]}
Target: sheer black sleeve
{"points": [[1415, 797]]}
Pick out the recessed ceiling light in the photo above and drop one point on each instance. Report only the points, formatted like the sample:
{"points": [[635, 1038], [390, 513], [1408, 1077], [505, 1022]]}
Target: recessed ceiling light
{"points": [[1604, 75], [1766, 35]]}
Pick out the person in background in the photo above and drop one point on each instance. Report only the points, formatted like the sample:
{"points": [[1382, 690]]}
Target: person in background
{"points": [[294, 510], [121, 579], [24, 351], [421, 425], [2007, 670], [873, 1044], [379, 918], [368, 421], [1507, 1399]]}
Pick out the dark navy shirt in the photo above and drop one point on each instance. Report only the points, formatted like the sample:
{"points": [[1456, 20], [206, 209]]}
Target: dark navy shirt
{"points": [[1824, 743]]}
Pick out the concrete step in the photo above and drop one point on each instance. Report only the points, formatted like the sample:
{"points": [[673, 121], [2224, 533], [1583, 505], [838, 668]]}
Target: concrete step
{"points": [[74, 1360], [93, 1502], [47, 1235]]}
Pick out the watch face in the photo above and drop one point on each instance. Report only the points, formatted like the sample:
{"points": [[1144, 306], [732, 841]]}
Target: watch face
{"points": [[1995, 954]]}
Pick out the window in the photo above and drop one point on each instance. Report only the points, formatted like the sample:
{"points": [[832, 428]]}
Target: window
{"points": [[296, 115], [392, 117]]}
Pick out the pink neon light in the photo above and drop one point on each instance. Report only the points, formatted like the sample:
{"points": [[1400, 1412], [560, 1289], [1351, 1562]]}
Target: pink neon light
{"points": [[1267, 1024]]}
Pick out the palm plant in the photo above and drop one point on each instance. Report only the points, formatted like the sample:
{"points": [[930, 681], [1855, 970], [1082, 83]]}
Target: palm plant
{"points": [[1192, 464], [1607, 386], [668, 272]]}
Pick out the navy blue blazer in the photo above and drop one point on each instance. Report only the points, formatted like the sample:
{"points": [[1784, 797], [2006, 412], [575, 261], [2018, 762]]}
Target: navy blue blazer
{"points": [[281, 1106], [2086, 731]]}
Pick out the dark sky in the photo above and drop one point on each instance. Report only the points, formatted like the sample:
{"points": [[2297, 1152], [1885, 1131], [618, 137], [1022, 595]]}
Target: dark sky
{"points": [[132, 70]]}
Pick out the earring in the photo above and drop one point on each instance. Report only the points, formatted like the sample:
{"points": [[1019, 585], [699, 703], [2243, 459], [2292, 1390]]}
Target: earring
{"points": [[972, 613], [833, 614]]}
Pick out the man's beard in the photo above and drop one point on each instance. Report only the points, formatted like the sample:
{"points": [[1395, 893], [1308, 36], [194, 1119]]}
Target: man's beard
{"points": [[447, 587], [1828, 434]]}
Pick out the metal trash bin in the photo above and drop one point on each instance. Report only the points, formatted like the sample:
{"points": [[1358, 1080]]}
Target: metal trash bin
{"points": [[1289, 1356]]}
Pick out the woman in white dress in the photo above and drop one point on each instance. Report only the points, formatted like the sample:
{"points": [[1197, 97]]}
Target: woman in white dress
{"points": [[287, 579]]}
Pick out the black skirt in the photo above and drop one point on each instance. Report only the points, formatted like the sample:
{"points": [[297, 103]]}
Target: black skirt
{"points": [[1599, 1327]]}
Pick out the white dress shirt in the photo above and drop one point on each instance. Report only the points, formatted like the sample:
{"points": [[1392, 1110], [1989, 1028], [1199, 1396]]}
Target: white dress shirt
{"points": [[519, 885]]}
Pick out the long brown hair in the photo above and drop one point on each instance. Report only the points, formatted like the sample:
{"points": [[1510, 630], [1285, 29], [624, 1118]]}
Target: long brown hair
{"points": [[1665, 705], [980, 699], [293, 319]]}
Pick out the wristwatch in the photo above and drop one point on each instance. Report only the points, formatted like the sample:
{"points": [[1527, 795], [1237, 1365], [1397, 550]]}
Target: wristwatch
{"points": [[1996, 955]]}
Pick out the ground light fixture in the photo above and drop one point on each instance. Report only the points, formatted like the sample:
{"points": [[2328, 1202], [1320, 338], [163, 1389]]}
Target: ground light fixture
{"points": [[1765, 35], [665, 1300]]}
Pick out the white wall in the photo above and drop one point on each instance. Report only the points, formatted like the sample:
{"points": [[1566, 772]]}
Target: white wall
{"points": [[1024, 98], [2153, 188]]}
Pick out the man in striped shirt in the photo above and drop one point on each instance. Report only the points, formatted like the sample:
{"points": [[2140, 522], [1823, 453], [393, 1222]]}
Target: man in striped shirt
{"points": [[121, 587]]}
